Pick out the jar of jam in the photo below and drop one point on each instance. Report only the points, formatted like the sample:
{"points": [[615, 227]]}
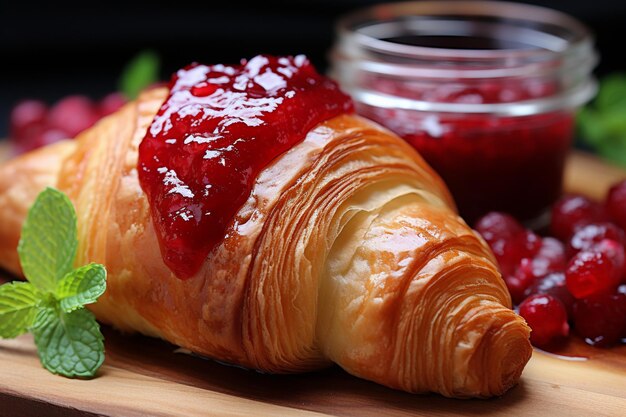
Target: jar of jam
{"points": [[485, 91]]}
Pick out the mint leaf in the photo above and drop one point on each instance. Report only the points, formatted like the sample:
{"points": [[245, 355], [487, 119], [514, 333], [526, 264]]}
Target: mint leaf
{"points": [[602, 124], [69, 344], [81, 286], [18, 303], [141, 71], [612, 92], [614, 150], [591, 128], [48, 245]]}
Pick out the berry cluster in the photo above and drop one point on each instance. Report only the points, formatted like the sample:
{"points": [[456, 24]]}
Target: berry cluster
{"points": [[33, 124], [575, 280]]}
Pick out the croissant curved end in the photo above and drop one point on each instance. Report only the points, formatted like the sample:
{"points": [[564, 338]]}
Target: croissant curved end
{"points": [[418, 304]]}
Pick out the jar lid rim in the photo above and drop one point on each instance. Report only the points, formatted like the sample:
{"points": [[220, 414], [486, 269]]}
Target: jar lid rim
{"points": [[350, 27]]}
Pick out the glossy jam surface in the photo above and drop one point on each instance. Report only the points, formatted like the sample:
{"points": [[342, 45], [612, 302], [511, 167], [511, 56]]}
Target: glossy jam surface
{"points": [[489, 162], [218, 128]]}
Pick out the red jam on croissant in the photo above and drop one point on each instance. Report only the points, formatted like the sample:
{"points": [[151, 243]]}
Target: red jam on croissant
{"points": [[323, 238], [218, 128]]}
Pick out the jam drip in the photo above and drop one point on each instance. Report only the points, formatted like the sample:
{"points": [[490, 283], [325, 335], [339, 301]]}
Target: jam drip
{"points": [[219, 127]]}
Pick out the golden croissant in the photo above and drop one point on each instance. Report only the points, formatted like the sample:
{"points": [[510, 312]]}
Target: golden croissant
{"points": [[349, 250]]}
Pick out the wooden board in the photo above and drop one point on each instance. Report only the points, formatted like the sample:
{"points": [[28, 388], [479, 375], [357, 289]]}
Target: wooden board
{"points": [[589, 175], [147, 377]]}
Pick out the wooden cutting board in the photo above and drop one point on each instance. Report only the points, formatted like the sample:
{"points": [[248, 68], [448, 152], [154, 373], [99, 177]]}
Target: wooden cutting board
{"points": [[148, 377]]}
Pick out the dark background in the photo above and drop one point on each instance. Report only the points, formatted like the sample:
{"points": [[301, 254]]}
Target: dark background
{"points": [[52, 49]]}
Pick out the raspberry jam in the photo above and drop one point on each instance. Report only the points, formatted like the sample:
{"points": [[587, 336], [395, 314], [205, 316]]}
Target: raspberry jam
{"points": [[509, 164], [218, 128], [485, 91]]}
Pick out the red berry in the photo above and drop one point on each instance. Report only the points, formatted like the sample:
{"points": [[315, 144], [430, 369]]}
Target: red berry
{"points": [[519, 282], [73, 114], [572, 211], [27, 116], [546, 317], [550, 257], [592, 272], [498, 226], [509, 253], [49, 136], [616, 204], [622, 290], [508, 240], [553, 284], [614, 249], [616, 253], [111, 103], [601, 319], [586, 236], [29, 139]]}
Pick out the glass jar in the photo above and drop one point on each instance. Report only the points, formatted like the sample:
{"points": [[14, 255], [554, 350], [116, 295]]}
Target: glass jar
{"points": [[485, 91]]}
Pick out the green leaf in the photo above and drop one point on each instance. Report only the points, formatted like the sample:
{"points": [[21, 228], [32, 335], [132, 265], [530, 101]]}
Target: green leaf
{"points": [[140, 72], [602, 124], [612, 92], [81, 286], [591, 128], [69, 344], [67, 336], [614, 122], [18, 303], [48, 245], [614, 150]]}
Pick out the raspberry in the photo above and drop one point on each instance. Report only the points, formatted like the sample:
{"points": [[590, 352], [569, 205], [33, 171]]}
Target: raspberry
{"points": [[509, 253], [547, 318], [518, 283], [111, 103], [554, 285], [572, 211], [601, 319], [48, 137], [594, 271], [508, 240], [586, 236], [616, 204], [73, 114], [496, 226], [549, 258], [24, 116]]}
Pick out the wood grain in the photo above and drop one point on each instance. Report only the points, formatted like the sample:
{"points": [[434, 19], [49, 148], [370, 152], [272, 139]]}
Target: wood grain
{"points": [[589, 175], [143, 376]]}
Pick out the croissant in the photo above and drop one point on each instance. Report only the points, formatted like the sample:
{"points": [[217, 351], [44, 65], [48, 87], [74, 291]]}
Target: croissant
{"points": [[348, 250]]}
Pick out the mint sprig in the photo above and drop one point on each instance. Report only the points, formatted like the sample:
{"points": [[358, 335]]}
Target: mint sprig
{"points": [[602, 123], [51, 304], [139, 73]]}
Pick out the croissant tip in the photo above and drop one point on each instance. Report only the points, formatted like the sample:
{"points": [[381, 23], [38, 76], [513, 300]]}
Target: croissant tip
{"points": [[510, 352]]}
